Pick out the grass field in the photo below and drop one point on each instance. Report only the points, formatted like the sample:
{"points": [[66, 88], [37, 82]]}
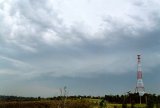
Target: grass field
{"points": [[128, 106], [84, 103], [114, 105]]}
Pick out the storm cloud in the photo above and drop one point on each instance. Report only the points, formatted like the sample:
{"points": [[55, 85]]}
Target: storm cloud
{"points": [[58, 39]]}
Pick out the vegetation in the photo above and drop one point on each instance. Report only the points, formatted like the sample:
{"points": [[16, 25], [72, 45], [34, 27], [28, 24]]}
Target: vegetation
{"points": [[108, 101], [45, 104]]}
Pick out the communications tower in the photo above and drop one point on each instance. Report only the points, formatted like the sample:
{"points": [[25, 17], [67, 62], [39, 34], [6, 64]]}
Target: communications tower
{"points": [[140, 86]]}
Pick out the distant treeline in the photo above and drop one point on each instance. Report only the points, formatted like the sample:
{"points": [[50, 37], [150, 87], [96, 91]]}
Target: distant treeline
{"points": [[128, 98], [150, 100], [133, 98], [19, 98]]}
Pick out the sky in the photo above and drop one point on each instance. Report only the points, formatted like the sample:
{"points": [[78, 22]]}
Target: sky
{"points": [[89, 46]]}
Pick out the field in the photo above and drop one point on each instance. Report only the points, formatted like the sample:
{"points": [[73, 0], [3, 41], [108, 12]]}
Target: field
{"points": [[84, 103], [128, 106], [114, 105], [108, 101], [46, 104]]}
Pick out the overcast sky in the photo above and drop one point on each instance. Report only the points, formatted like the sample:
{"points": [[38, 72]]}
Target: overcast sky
{"points": [[90, 46]]}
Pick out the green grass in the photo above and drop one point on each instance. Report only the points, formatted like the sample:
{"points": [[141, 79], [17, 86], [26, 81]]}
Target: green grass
{"points": [[128, 105], [114, 105], [140, 105], [78, 103]]}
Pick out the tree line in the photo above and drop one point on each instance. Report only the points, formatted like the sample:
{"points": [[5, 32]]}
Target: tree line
{"points": [[128, 98], [133, 98]]}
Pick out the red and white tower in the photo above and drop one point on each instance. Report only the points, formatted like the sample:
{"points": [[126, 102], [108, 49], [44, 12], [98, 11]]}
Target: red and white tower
{"points": [[140, 86]]}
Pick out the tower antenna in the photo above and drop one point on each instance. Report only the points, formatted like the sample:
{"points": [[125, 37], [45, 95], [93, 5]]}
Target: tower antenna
{"points": [[140, 86]]}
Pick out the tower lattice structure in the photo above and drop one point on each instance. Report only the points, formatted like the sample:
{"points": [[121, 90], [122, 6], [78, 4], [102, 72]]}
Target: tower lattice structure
{"points": [[139, 86]]}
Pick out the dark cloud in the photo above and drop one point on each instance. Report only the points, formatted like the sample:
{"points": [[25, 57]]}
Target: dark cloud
{"points": [[36, 44]]}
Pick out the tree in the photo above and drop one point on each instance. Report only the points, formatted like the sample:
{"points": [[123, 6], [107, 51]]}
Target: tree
{"points": [[63, 97]]}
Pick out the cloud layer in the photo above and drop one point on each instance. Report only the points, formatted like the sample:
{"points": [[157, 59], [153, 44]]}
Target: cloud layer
{"points": [[77, 39]]}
